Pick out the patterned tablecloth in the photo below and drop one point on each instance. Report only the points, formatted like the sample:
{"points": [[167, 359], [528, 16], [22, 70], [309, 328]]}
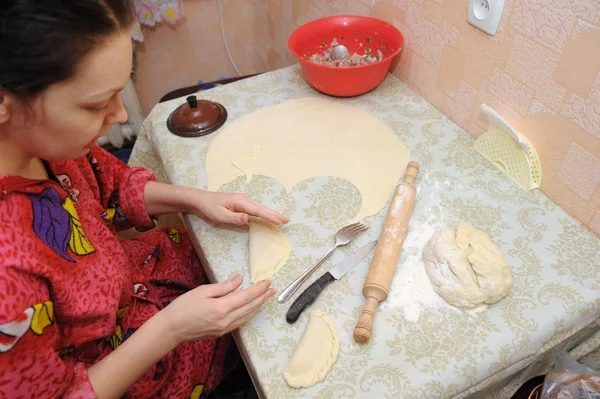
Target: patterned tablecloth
{"points": [[422, 347]]}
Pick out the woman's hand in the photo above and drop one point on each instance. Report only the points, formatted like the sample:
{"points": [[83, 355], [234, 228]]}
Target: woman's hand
{"points": [[208, 311], [233, 208], [162, 198], [212, 310]]}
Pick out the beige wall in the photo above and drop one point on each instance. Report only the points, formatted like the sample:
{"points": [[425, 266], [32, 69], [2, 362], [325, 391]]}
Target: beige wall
{"points": [[541, 71], [174, 57]]}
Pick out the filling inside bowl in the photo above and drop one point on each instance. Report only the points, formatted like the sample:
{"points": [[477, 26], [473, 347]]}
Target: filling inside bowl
{"points": [[324, 58]]}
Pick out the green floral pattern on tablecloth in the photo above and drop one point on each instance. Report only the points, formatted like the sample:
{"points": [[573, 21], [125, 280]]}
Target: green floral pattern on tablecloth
{"points": [[445, 352]]}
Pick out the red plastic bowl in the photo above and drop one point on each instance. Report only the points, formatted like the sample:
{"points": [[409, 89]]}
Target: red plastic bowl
{"points": [[358, 34]]}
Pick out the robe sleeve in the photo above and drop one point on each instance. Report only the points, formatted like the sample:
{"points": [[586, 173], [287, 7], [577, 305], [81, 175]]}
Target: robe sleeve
{"points": [[31, 365], [122, 190]]}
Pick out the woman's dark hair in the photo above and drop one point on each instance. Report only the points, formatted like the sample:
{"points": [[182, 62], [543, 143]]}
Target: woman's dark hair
{"points": [[42, 41]]}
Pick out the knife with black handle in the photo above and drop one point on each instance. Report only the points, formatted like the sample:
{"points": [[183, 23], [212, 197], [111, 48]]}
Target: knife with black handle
{"points": [[308, 297], [310, 294]]}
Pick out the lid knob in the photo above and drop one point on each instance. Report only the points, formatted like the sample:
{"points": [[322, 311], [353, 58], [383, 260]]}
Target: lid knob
{"points": [[192, 101]]}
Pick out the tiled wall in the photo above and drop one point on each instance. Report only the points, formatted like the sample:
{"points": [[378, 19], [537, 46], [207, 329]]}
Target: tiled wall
{"points": [[175, 57], [541, 71]]}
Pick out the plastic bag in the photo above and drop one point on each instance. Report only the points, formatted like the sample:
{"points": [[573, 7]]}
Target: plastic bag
{"points": [[571, 380]]}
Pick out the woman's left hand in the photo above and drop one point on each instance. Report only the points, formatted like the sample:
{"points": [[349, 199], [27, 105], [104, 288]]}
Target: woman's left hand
{"points": [[233, 208]]}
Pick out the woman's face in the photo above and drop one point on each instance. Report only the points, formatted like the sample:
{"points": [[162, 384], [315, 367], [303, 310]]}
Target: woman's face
{"points": [[67, 119]]}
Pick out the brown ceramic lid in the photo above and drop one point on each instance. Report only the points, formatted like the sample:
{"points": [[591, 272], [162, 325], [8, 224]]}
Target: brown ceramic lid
{"points": [[196, 118]]}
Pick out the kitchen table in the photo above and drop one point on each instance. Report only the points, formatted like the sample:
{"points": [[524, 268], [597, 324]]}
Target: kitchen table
{"points": [[422, 347]]}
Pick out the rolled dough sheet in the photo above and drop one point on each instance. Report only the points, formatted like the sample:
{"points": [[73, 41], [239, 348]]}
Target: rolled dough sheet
{"points": [[269, 250], [308, 137], [316, 352]]}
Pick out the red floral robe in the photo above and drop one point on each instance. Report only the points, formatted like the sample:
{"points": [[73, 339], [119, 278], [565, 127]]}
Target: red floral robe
{"points": [[71, 291]]}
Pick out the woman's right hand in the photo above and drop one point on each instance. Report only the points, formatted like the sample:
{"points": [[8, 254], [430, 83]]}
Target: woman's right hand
{"points": [[213, 310]]}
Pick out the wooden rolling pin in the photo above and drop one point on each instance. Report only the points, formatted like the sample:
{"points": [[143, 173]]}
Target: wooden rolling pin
{"points": [[387, 252]]}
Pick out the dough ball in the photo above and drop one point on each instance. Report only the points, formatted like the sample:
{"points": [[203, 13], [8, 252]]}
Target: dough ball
{"points": [[466, 268]]}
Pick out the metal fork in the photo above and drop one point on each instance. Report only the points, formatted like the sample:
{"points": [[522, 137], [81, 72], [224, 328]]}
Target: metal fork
{"points": [[342, 237]]}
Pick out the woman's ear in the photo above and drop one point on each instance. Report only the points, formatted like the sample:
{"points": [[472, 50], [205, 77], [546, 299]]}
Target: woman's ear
{"points": [[5, 100]]}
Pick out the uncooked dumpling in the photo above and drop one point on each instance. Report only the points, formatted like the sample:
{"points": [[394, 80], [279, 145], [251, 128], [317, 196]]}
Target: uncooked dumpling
{"points": [[269, 250], [316, 352], [466, 268]]}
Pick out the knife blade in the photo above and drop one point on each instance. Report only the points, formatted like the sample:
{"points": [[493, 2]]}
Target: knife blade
{"points": [[310, 294]]}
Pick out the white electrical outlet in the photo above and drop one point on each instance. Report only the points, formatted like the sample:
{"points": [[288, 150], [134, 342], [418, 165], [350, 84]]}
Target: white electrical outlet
{"points": [[485, 14]]}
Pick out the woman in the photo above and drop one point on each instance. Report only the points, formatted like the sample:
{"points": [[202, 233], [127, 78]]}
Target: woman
{"points": [[83, 314]]}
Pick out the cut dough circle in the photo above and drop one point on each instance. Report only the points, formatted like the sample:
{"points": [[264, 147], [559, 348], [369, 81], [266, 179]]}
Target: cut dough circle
{"points": [[308, 137], [269, 250], [315, 354], [466, 268]]}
